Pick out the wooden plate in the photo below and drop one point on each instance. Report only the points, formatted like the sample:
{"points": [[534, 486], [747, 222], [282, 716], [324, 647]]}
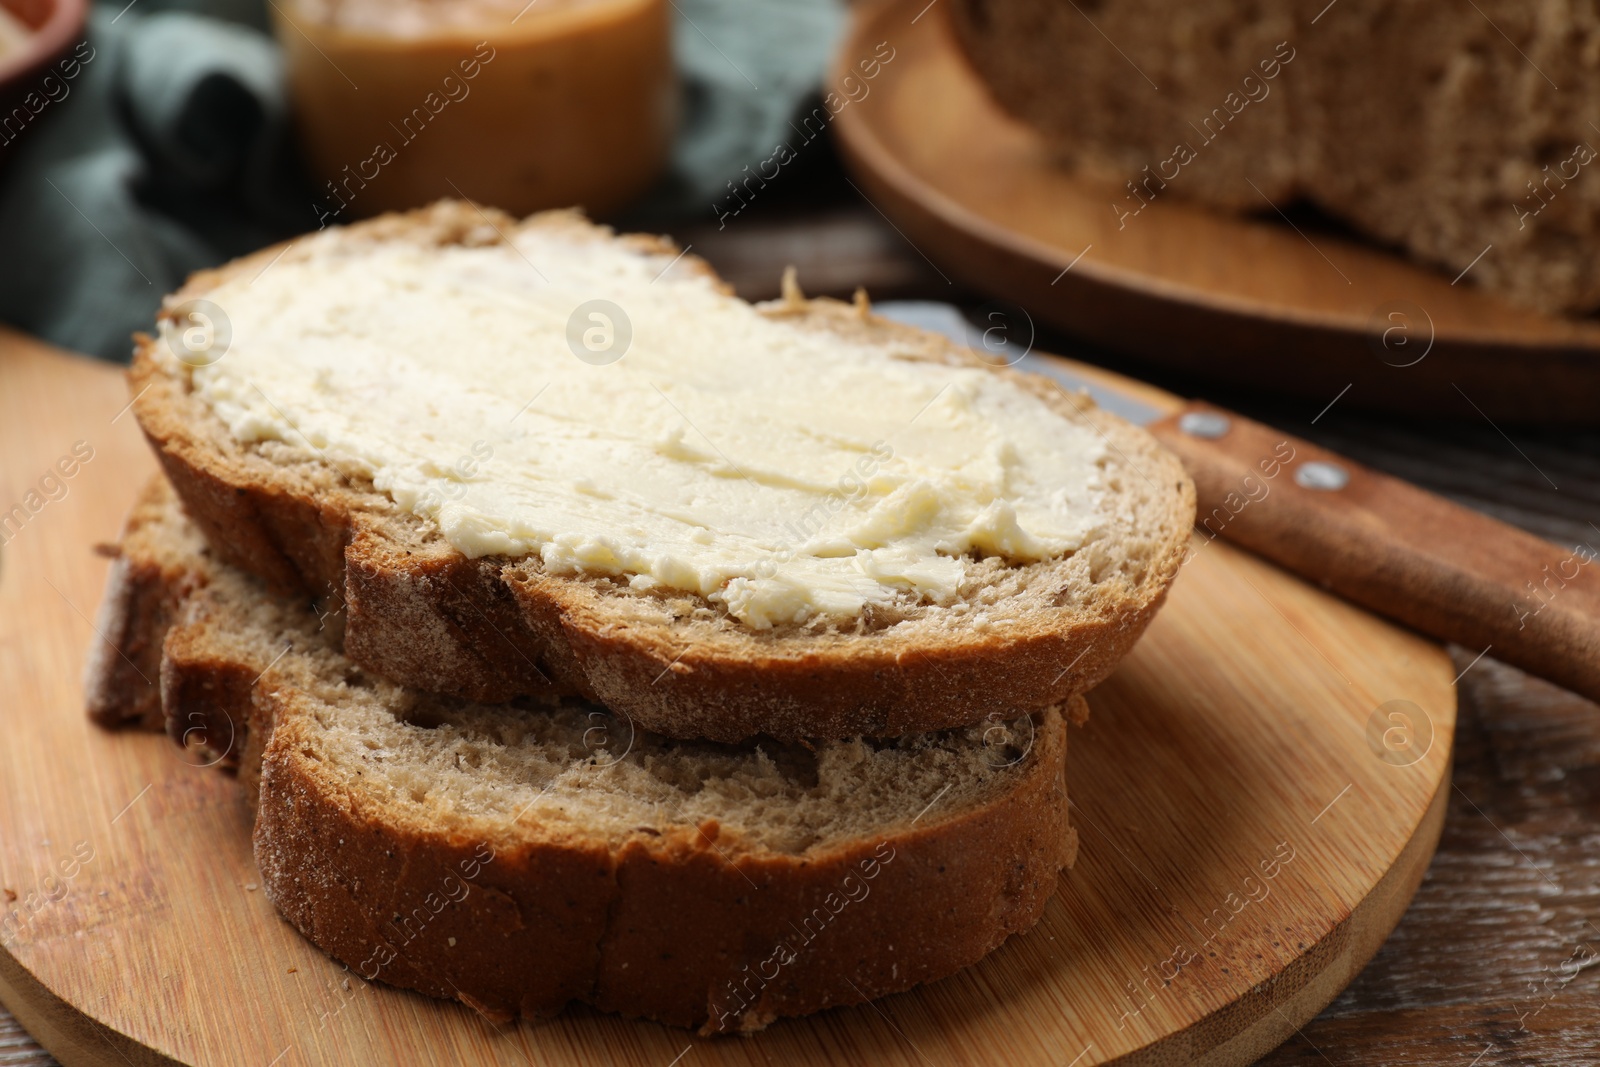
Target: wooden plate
{"points": [[1253, 826], [1247, 300]]}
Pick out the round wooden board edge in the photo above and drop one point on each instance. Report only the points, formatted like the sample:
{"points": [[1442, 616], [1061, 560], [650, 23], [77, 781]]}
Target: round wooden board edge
{"points": [[66, 1031], [1344, 951], [1319, 975]]}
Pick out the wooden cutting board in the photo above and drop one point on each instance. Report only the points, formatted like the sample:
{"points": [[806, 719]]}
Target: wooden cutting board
{"points": [[1246, 299], [1255, 816]]}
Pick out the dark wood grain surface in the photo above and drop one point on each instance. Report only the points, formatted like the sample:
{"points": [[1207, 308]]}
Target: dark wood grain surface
{"points": [[17, 1049], [1497, 962]]}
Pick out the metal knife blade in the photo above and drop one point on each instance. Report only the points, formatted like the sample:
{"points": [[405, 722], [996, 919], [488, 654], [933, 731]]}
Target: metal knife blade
{"points": [[948, 320]]}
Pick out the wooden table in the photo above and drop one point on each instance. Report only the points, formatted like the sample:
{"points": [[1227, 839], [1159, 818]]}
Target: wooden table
{"points": [[1498, 960]]}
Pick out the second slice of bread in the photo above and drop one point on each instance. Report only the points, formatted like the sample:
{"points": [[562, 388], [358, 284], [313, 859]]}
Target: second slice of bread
{"points": [[517, 859]]}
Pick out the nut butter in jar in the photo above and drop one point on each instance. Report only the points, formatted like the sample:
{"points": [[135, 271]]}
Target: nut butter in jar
{"points": [[516, 105]]}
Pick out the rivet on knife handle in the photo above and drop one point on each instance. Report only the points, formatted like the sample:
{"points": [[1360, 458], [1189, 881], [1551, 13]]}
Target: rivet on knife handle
{"points": [[1401, 551]]}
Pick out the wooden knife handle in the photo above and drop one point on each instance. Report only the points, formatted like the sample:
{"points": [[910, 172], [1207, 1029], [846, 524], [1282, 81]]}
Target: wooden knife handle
{"points": [[1441, 568]]}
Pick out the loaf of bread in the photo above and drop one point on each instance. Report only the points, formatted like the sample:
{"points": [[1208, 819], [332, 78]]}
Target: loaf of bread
{"points": [[1463, 135], [796, 520], [520, 858]]}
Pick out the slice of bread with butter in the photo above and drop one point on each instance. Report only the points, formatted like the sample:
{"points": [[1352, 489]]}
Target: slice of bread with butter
{"points": [[523, 459], [518, 858]]}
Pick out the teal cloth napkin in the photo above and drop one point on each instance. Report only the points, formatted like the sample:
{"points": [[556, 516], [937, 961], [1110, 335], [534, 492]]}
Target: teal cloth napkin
{"points": [[167, 153], [170, 150], [748, 66]]}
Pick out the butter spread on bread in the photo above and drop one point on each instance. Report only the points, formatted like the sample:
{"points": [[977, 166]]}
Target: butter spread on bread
{"points": [[726, 453]]}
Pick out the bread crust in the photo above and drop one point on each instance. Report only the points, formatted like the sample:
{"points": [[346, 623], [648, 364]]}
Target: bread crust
{"points": [[145, 592], [121, 670], [524, 919], [492, 629]]}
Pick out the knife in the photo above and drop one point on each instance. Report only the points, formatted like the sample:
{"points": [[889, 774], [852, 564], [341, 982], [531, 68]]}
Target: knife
{"points": [[1400, 551]]}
